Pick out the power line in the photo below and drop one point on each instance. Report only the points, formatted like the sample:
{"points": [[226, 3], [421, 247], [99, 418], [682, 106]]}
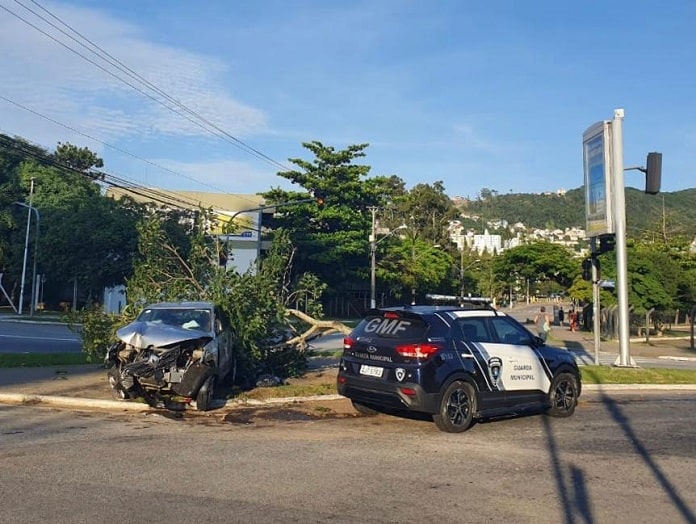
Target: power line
{"points": [[113, 62], [115, 148], [167, 199]]}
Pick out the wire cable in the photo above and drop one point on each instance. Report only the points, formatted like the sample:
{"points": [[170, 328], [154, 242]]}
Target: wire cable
{"points": [[167, 199], [199, 120], [74, 130]]}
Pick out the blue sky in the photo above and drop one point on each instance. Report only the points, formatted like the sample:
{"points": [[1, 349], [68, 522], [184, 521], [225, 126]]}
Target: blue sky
{"points": [[476, 94]]}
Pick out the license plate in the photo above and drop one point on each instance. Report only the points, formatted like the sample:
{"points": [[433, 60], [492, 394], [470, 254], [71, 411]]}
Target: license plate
{"points": [[372, 371]]}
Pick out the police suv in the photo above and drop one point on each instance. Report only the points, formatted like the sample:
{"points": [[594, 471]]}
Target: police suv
{"points": [[457, 363]]}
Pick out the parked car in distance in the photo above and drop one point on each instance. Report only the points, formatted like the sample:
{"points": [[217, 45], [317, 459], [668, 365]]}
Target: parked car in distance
{"points": [[456, 363], [172, 349]]}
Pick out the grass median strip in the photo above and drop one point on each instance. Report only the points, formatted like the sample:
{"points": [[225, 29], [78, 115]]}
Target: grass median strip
{"points": [[35, 360], [613, 375], [326, 385]]}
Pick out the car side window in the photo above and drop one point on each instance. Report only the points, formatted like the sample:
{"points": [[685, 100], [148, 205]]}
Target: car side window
{"points": [[509, 332], [472, 330]]}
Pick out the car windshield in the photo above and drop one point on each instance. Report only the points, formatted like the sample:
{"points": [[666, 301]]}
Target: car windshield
{"points": [[192, 318]]}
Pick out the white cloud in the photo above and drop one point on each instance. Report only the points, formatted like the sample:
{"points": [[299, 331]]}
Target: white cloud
{"points": [[227, 176], [43, 75]]}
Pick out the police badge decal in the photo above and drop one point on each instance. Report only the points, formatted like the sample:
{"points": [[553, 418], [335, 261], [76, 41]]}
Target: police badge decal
{"points": [[400, 374], [495, 366]]}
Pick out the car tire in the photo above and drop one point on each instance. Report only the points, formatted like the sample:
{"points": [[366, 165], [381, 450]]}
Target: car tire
{"points": [[563, 395], [364, 409], [114, 377], [206, 395], [457, 408]]}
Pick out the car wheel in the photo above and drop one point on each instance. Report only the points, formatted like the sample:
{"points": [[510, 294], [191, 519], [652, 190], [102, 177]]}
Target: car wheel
{"points": [[457, 408], [563, 395], [364, 409], [116, 386], [206, 395]]}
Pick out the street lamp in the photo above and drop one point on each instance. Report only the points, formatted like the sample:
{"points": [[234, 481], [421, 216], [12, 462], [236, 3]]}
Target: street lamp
{"points": [[36, 253], [373, 251], [30, 208]]}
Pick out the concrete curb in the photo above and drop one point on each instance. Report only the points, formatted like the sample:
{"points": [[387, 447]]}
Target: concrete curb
{"points": [[117, 405], [679, 359], [281, 400], [72, 402], [637, 387]]}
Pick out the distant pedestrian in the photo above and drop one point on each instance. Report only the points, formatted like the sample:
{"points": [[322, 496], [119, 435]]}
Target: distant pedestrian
{"points": [[573, 319], [542, 323], [561, 316]]}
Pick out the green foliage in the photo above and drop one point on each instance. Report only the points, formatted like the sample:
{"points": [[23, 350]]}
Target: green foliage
{"points": [[255, 301], [540, 262], [427, 210], [647, 216], [85, 238], [161, 272], [611, 375], [414, 267], [331, 240], [96, 328], [35, 360], [78, 158]]}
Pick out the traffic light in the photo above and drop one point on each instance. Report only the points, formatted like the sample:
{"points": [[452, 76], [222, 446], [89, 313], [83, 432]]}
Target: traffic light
{"points": [[606, 243], [587, 268], [653, 173]]}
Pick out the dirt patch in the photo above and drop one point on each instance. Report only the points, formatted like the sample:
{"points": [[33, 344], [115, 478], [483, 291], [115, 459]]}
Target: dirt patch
{"points": [[313, 382], [300, 412]]}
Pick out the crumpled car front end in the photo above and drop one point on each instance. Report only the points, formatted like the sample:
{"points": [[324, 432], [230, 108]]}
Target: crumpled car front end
{"points": [[152, 359]]}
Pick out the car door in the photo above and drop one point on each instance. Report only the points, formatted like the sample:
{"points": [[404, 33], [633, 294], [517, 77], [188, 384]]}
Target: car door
{"points": [[473, 339], [225, 341], [523, 374]]}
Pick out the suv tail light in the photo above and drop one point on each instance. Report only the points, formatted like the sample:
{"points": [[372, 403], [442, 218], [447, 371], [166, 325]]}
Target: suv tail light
{"points": [[422, 350], [348, 343]]}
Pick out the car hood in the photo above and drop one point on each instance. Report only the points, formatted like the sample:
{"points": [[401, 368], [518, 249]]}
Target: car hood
{"points": [[149, 334]]}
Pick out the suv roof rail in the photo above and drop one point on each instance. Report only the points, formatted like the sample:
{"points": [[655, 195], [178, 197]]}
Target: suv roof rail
{"points": [[472, 302]]}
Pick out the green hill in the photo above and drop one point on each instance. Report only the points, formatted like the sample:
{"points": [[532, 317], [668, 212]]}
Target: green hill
{"points": [[666, 214]]}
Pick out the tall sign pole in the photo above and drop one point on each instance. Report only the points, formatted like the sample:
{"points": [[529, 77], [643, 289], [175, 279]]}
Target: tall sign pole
{"points": [[619, 215]]}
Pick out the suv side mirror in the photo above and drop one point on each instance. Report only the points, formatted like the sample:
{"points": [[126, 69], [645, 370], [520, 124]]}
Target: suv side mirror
{"points": [[538, 342]]}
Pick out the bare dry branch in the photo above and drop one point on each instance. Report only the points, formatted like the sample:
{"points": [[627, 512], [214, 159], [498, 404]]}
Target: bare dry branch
{"points": [[317, 328]]}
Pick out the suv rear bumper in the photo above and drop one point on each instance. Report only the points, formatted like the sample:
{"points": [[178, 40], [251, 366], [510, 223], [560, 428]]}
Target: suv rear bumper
{"points": [[388, 395]]}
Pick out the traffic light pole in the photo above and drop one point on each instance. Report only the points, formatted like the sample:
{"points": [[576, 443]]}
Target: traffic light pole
{"points": [[619, 191], [596, 309]]}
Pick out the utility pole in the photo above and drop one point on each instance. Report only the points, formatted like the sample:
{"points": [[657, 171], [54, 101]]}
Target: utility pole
{"points": [[373, 249]]}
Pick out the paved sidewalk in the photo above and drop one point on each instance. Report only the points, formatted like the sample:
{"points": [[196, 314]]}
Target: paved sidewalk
{"points": [[582, 344]]}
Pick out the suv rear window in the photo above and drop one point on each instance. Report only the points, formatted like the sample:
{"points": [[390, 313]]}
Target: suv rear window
{"points": [[391, 326]]}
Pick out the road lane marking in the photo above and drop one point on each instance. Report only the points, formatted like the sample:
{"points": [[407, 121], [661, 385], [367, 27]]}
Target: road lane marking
{"points": [[42, 338]]}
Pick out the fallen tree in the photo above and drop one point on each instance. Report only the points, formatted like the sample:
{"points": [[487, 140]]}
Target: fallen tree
{"points": [[317, 329]]}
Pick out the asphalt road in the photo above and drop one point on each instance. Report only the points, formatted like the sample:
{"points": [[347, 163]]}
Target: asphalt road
{"points": [[37, 337], [621, 459]]}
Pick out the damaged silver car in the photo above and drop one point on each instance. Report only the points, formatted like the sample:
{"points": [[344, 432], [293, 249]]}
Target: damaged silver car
{"points": [[173, 349]]}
